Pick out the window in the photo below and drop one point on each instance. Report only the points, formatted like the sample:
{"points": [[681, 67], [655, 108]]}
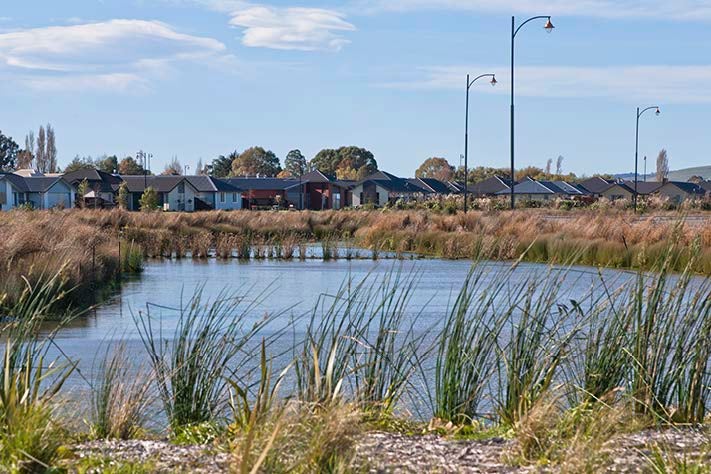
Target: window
{"points": [[181, 188], [377, 199], [361, 199], [234, 197], [222, 197]]}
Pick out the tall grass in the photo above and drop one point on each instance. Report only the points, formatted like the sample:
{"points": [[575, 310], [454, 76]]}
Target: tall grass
{"points": [[29, 381], [210, 341]]}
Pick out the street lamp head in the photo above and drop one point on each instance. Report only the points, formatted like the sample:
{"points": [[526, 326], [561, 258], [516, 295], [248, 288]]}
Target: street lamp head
{"points": [[658, 112], [549, 26], [493, 81]]}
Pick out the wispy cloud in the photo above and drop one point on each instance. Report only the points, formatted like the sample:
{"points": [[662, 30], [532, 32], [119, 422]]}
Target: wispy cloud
{"points": [[658, 83], [112, 54], [306, 29], [665, 9], [288, 28]]}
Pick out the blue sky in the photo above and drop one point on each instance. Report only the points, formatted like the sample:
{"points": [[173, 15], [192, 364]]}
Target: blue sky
{"points": [[199, 78]]}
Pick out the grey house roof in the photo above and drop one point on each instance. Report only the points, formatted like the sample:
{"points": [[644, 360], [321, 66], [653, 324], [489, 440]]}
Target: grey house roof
{"points": [[106, 181], [597, 185], [41, 184], [528, 186], [162, 184], [17, 181], [224, 186], [432, 185], [644, 187], [263, 184], [490, 186], [568, 188], [392, 183], [688, 188]]}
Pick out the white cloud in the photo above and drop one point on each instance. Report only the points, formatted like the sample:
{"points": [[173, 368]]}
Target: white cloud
{"points": [[114, 54], [658, 83], [306, 29], [669, 9]]}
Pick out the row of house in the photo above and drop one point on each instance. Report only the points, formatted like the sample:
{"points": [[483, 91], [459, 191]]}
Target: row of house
{"points": [[314, 190]]}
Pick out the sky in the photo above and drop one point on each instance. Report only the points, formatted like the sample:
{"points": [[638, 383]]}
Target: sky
{"points": [[200, 78]]}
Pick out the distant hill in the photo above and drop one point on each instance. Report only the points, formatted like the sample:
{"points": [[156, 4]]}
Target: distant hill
{"points": [[678, 175]]}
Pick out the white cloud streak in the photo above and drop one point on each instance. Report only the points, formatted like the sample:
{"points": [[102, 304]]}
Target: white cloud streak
{"points": [[681, 10], [106, 55], [659, 83], [305, 29]]}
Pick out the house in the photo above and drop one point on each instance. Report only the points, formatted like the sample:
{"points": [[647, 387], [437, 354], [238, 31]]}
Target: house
{"points": [[490, 186], [644, 188], [680, 191], [39, 192], [531, 190], [317, 191], [13, 191], [102, 187], [381, 188], [228, 197], [265, 192], [607, 188], [184, 193], [435, 186]]}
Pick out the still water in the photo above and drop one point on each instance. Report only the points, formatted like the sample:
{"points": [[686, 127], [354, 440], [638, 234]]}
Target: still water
{"points": [[287, 289]]}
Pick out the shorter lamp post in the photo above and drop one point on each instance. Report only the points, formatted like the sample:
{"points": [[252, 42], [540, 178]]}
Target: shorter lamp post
{"points": [[636, 150], [466, 132]]}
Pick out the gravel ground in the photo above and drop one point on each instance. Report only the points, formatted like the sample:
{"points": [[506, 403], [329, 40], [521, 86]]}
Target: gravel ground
{"points": [[396, 453]]}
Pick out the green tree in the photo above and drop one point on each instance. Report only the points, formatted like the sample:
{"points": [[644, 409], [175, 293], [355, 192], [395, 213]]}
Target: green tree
{"points": [[437, 168], [295, 163], [8, 153], [107, 164], [222, 165], [129, 166], [82, 191], [480, 173], [256, 161], [122, 198], [345, 158], [79, 163], [149, 200]]}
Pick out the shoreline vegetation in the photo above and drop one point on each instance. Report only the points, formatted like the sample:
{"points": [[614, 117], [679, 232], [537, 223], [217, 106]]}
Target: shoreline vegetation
{"points": [[92, 249], [556, 377]]}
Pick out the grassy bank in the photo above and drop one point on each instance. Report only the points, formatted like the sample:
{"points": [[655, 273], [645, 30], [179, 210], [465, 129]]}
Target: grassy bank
{"points": [[615, 239], [514, 356]]}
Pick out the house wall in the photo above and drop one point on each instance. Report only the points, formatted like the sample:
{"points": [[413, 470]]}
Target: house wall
{"points": [[177, 201], [230, 204], [5, 199], [369, 193], [616, 192], [60, 194]]}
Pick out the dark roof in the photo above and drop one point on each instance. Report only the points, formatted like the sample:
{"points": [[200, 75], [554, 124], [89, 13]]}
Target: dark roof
{"points": [[689, 188], [224, 186], [263, 184], [41, 184], [597, 185], [107, 182], [490, 186], [17, 181], [392, 183], [644, 187], [162, 184], [317, 176], [529, 186], [568, 188], [202, 184], [433, 185], [706, 185]]}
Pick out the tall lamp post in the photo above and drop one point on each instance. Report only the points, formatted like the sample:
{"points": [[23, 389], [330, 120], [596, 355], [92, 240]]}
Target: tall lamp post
{"points": [[514, 31], [636, 150], [466, 132]]}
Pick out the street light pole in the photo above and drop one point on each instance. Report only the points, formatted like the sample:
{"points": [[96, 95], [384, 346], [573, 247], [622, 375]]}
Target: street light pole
{"points": [[636, 151], [466, 133], [514, 31]]}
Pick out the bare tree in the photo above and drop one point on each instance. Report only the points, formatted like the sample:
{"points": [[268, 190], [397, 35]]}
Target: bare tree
{"points": [[662, 165], [51, 151], [40, 154], [174, 168], [549, 164], [26, 156], [559, 165], [199, 168]]}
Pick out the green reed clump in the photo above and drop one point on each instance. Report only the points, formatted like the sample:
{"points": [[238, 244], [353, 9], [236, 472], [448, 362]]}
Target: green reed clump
{"points": [[210, 341], [29, 437], [131, 257], [120, 396], [359, 339]]}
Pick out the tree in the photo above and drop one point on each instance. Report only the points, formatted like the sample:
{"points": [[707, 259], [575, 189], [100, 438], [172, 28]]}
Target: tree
{"points": [[295, 163], [8, 153], [149, 200], [437, 168], [559, 165], [549, 165], [348, 157], [128, 166], [284, 174], [79, 163], [122, 198], [174, 168], [107, 164], [82, 191], [480, 173], [662, 165], [26, 156], [256, 161], [40, 154], [529, 171], [51, 151], [222, 165]]}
